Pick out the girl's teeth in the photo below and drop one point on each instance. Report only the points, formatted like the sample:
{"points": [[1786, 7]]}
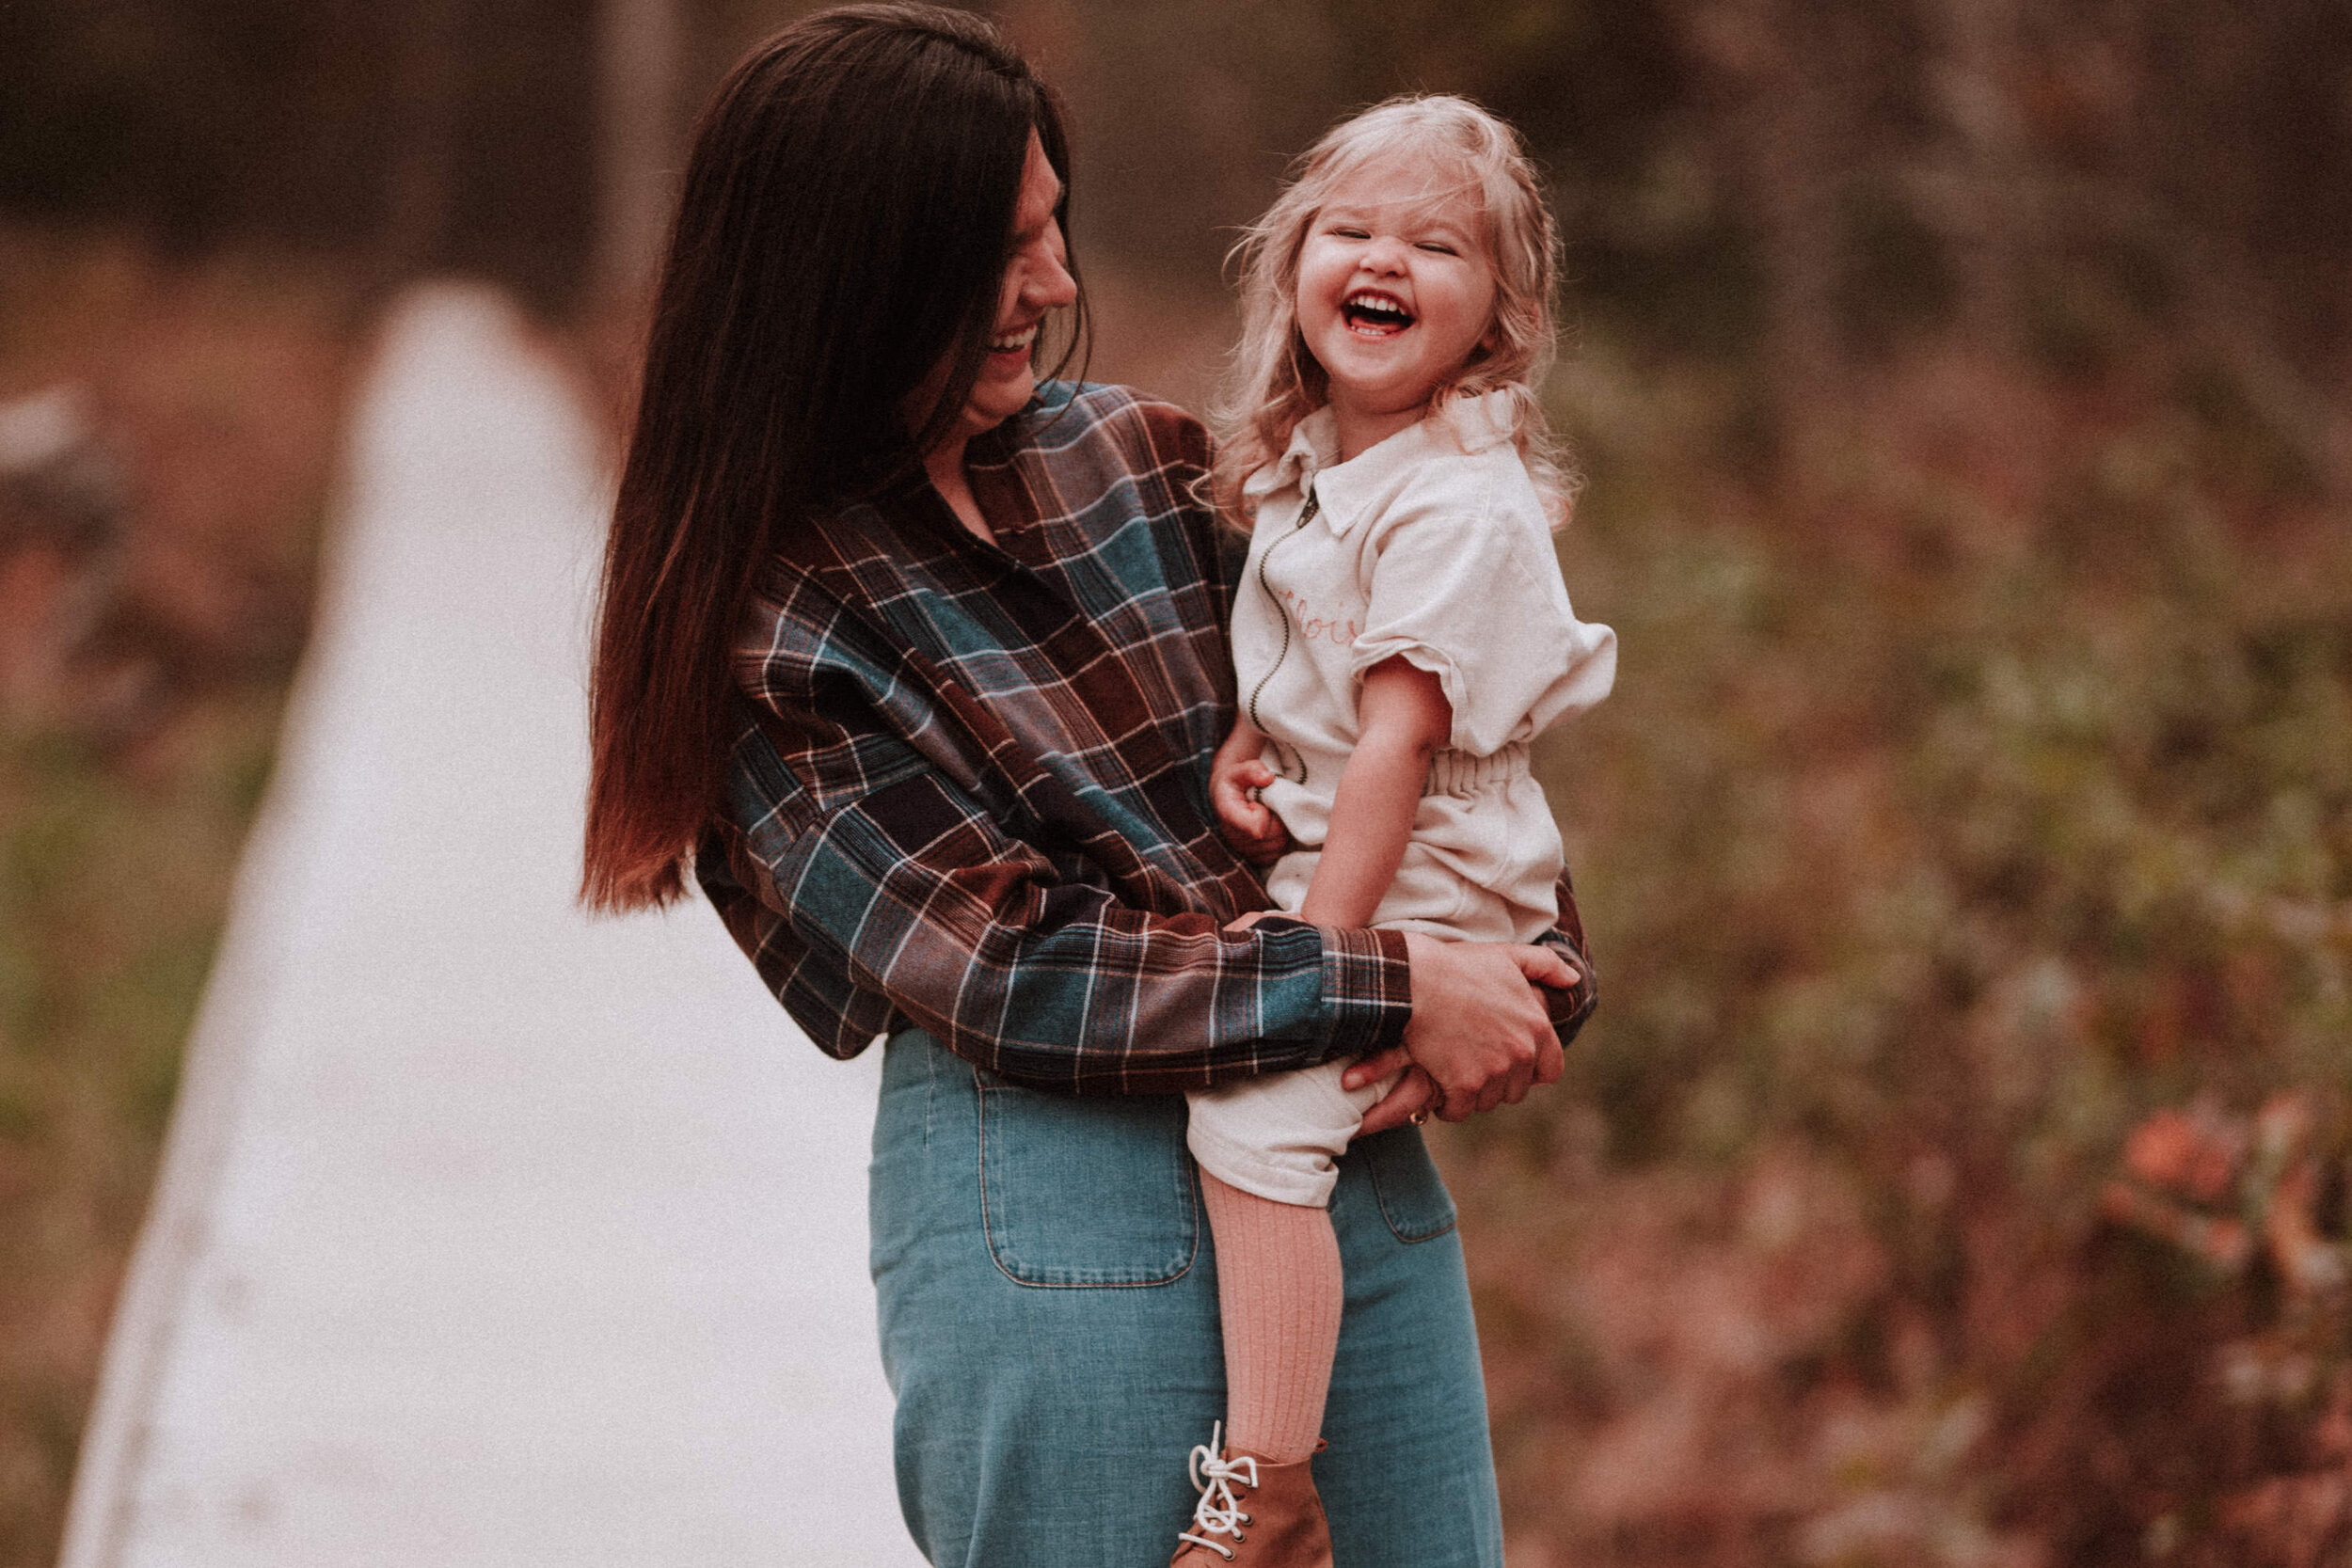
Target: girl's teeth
{"points": [[1019, 339]]}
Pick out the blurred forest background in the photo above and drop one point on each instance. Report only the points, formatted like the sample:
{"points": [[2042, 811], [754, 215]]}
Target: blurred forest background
{"points": [[1956, 1172]]}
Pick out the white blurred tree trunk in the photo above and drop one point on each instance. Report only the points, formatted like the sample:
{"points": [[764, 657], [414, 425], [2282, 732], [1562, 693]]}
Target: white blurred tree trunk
{"points": [[638, 52]]}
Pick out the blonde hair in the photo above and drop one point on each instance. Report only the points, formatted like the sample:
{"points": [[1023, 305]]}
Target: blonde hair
{"points": [[1274, 381]]}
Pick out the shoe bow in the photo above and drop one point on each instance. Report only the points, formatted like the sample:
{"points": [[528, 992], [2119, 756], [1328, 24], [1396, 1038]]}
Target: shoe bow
{"points": [[1218, 1512]]}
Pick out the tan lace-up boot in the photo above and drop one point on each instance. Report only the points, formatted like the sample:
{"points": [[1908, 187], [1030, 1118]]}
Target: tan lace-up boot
{"points": [[1252, 1513]]}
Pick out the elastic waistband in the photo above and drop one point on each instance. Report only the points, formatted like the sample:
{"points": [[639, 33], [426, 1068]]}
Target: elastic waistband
{"points": [[1461, 773]]}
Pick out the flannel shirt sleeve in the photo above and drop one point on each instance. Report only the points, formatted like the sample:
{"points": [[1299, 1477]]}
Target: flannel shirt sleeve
{"points": [[1009, 956], [1569, 1009]]}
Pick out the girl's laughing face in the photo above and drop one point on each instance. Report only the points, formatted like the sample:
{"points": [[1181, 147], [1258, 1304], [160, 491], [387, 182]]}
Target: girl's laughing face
{"points": [[1395, 292]]}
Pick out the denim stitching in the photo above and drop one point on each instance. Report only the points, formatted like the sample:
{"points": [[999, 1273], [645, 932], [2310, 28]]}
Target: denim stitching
{"points": [[988, 1227], [930, 1092], [1381, 1197]]}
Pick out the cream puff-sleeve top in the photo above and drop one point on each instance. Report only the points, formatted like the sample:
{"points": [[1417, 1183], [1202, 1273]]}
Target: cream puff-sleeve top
{"points": [[1433, 547]]}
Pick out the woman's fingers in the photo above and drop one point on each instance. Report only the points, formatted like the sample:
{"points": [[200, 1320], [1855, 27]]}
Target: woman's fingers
{"points": [[1550, 1061], [1513, 1086], [1490, 1094], [1479, 1028], [1411, 1096], [1370, 1069], [1544, 966]]}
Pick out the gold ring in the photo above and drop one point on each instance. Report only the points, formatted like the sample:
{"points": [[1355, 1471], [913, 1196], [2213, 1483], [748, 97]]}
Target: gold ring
{"points": [[1421, 1115]]}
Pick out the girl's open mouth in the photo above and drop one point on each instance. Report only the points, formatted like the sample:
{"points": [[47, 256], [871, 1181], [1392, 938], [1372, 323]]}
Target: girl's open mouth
{"points": [[1014, 342], [1375, 314]]}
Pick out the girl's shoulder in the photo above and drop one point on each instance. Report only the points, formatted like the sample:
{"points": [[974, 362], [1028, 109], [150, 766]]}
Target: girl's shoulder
{"points": [[1460, 473]]}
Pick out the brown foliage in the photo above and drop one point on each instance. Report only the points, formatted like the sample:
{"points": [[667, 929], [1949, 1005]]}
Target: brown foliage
{"points": [[166, 550]]}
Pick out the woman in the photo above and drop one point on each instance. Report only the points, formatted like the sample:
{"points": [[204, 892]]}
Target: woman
{"points": [[922, 663]]}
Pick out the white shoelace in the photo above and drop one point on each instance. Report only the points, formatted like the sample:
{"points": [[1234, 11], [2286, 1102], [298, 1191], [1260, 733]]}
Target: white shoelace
{"points": [[1219, 1511]]}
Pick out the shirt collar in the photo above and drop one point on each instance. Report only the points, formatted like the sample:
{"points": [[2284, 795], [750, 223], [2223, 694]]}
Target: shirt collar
{"points": [[1464, 426], [1314, 446]]}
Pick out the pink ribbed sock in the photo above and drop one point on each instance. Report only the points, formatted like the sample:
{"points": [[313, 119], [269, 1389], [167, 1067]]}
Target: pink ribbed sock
{"points": [[1278, 1291]]}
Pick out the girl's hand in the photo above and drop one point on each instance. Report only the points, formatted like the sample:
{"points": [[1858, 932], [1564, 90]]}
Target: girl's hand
{"points": [[1246, 822], [1479, 1029]]}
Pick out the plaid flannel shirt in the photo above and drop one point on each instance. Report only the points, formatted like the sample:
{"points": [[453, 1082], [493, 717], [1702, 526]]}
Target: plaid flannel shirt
{"points": [[971, 788]]}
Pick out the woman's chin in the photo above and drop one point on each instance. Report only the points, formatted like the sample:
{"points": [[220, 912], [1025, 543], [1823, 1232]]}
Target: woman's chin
{"points": [[1002, 391]]}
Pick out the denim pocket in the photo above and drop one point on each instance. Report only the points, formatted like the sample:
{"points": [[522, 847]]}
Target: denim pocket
{"points": [[1086, 1191], [1412, 1195]]}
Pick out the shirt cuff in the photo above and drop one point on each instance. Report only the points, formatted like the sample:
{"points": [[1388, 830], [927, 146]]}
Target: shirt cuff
{"points": [[1570, 1007], [1368, 988]]}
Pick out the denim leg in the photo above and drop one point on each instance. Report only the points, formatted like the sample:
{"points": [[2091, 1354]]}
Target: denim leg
{"points": [[1048, 1306], [1409, 1479]]}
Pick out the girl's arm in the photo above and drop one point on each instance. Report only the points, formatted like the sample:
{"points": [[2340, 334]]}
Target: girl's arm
{"points": [[1402, 719]]}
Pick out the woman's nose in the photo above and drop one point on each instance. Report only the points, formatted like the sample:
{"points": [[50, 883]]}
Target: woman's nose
{"points": [[1047, 284], [1385, 253]]}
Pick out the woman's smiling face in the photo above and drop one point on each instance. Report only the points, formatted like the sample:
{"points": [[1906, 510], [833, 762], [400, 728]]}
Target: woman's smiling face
{"points": [[1395, 291], [1036, 282]]}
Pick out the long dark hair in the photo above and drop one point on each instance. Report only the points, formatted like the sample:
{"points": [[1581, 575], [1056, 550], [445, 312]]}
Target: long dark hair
{"points": [[843, 228]]}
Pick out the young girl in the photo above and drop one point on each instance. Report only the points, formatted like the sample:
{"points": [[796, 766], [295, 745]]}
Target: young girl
{"points": [[1400, 634]]}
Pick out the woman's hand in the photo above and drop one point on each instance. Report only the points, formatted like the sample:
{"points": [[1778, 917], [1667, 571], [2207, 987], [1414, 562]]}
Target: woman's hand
{"points": [[1479, 1037], [1411, 1100], [1235, 776]]}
